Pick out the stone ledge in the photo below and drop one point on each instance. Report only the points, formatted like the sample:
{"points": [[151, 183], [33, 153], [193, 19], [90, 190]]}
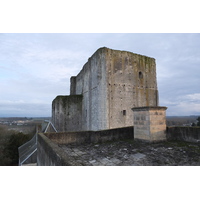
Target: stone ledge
{"points": [[149, 108]]}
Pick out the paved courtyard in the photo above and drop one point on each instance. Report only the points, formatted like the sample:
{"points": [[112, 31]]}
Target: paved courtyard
{"points": [[134, 153]]}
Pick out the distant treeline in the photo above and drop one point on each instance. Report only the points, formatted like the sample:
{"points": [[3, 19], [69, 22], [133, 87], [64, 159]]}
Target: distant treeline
{"points": [[23, 118], [181, 120], [10, 140]]}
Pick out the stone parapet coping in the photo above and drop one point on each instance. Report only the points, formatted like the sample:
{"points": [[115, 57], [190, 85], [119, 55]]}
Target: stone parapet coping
{"points": [[149, 108]]}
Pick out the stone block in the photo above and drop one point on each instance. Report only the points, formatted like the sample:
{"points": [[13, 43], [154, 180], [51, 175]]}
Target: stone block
{"points": [[150, 123]]}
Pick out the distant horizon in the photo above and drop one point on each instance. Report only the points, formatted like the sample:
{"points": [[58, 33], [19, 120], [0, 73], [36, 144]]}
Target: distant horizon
{"points": [[51, 116], [23, 117]]}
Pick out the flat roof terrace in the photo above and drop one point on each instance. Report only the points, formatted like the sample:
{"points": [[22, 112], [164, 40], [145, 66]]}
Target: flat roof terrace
{"points": [[134, 153], [117, 147]]}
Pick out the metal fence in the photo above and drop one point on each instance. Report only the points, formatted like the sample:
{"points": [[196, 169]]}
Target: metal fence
{"points": [[50, 126], [27, 150]]}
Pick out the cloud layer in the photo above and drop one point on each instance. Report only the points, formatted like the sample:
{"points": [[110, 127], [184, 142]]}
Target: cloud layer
{"points": [[35, 68]]}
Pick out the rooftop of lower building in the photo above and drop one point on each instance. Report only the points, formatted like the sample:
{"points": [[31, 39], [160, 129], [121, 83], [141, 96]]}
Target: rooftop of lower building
{"points": [[134, 153]]}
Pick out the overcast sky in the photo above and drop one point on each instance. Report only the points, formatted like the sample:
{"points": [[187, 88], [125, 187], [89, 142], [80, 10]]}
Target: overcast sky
{"points": [[35, 68]]}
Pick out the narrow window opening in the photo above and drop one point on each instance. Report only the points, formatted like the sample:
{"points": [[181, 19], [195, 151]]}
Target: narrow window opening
{"points": [[124, 112], [140, 75]]}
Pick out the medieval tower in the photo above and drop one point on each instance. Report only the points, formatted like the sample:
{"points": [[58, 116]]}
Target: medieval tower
{"points": [[102, 95]]}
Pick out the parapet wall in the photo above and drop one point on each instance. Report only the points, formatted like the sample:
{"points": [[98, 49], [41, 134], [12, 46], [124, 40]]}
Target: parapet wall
{"points": [[91, 136], [188, 134], [50, 154]]}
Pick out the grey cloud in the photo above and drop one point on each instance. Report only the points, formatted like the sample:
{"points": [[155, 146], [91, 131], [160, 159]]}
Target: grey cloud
{"points": [[36, 68]]}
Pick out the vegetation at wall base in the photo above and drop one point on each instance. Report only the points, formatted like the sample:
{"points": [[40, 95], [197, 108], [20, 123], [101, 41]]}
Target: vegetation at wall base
{"points": [[11, 148], [9, 143]]}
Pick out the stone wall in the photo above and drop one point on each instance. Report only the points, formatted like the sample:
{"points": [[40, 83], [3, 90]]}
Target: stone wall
{"points": [[49, 153], [188, 134], [131, 83], [91, 83], [67, 113], [150, 123], [91, 136], [112, 82]]}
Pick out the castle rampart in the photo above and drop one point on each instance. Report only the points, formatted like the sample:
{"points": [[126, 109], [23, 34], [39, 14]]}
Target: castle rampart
{"points": [[50, 151]]}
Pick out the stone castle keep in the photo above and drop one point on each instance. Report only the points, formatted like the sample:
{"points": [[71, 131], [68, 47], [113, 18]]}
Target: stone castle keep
{"points": [[104, 92], [113, 100]]}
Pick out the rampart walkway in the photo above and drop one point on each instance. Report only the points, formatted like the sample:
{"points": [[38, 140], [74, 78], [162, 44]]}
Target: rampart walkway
{"points": [[134, 153]]}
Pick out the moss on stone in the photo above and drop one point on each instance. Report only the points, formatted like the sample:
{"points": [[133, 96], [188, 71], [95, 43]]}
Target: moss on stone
{"points": [[69, 99]]}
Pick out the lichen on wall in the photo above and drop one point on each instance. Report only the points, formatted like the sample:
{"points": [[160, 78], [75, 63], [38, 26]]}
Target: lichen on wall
{"points": [[67, 112], [131, 82]]}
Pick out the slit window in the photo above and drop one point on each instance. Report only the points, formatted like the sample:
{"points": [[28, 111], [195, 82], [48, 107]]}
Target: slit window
{"points": [[140, 75], [124, 112]]}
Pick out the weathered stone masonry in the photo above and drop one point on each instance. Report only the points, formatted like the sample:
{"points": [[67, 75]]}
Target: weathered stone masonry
{"points": [[67, 112], [150, 123], [102, 95]]}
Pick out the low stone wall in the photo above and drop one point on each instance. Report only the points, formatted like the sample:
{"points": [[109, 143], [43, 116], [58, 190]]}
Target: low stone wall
{"points": [[49, 153], [91, 136], [188, 134]]}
